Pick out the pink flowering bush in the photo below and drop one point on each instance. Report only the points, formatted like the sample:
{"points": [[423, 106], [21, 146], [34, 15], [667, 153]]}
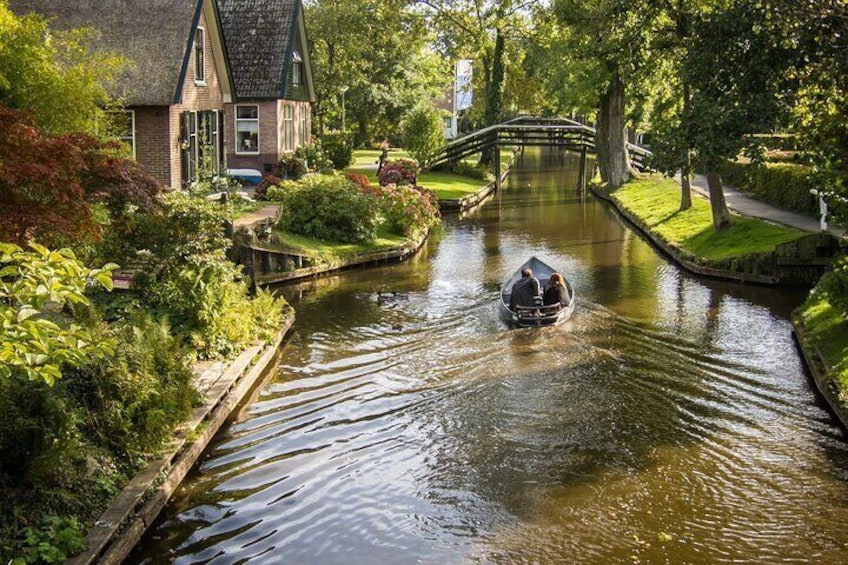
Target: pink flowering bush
{"points": [[409, 210], [399, 172]]}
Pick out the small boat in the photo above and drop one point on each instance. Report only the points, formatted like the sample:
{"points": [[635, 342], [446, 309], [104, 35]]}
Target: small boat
{"points": [[533, 316]]}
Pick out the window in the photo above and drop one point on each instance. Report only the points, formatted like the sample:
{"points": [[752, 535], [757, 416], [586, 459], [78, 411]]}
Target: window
{"points": [[247, 129], [304, 125], [201, 145], [124, 128], [199, 57], [288, 128], [297, 69]]}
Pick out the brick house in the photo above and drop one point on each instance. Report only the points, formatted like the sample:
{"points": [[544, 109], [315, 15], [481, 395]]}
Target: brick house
{"points": [[179, 93], [272, 75]]}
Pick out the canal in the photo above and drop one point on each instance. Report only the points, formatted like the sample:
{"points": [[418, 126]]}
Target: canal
{"points": [[669, 421]]}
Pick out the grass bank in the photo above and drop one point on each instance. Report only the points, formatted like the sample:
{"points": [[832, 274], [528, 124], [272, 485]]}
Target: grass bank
{"points": [[824, 333], [329, 251], [655, 200], [447, 185]]}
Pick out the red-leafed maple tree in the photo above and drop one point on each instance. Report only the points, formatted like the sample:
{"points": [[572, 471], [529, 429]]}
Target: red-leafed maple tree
{"points": [[48, 183]]}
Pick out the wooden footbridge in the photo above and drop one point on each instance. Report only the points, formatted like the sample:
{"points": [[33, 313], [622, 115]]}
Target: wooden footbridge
{"points": [[533, 132]]}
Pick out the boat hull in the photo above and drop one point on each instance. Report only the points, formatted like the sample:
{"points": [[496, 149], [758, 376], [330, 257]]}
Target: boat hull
{"points": [[538, 316]]}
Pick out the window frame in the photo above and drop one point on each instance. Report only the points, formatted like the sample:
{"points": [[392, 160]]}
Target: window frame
{"points": [[289, 138], [131, 138], [200, 57], [238, 148], [297, 68]]}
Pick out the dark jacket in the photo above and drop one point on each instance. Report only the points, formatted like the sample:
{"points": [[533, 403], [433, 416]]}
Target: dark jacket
{"points": [[556, 293], [523, 292]]}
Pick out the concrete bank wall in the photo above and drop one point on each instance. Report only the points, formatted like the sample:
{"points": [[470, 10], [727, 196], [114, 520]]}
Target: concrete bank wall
{"points": [[222, 387]]}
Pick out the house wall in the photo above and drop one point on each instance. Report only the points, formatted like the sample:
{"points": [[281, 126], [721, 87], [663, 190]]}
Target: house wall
{"points": [[268, 154], [158, 148], [153, 139], [271, 139]]}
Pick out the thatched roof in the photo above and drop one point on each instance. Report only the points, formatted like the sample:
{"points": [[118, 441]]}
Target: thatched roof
{"points": [[259, 36], [153, 34]]}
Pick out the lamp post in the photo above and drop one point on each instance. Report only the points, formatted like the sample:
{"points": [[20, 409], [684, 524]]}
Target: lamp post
{"points": [[343, 89]]}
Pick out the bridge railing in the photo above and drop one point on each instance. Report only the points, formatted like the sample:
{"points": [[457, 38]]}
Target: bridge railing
{"points": [[531, 131]]}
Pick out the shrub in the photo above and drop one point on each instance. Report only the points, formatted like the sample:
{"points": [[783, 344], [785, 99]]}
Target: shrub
{"points": [[360, 180], [785, 185], [400, 172], [134, 399], [328, 207], [312, 155], [409, 210], [423, 132], [261, 190], [466, 169], [290, 167], [187, 275], [338, 148], [835, 284]]}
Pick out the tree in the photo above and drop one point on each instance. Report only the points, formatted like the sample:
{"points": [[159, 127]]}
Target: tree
{"points": [[38, 335], [423, 132], [492, 33], [48, 183], [374, 54], [739, 67], [607, 41], [55, 75]]}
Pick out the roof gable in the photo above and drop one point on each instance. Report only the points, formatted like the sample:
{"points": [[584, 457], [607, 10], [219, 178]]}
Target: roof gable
{"points": [[156, 35], [259, 36]]}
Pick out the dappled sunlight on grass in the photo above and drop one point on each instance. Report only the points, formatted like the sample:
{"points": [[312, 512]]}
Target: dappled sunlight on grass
{"points": [[827, 331], [334, 250], [446, 185], [656, 201]]}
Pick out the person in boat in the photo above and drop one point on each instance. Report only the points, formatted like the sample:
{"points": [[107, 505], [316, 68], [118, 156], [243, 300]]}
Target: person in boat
{"points": [[556, 292], [525, 291]]}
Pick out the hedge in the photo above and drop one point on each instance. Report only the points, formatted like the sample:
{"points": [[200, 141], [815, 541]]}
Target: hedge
{"points": [[785, 185]]}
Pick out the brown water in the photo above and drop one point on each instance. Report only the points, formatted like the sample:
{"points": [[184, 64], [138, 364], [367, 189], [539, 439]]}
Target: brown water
{"points": [[670, 421]]}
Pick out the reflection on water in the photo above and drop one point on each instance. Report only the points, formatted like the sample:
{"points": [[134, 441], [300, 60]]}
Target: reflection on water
{"points": [[668, 421]]}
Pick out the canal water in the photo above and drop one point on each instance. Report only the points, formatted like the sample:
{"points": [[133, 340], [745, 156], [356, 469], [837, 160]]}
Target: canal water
{"points": [[669, 421]]}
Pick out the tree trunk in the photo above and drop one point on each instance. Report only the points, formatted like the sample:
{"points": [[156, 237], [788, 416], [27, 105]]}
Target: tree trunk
{"points": [[721, 215], [492, 112], [686, 170], [611, 136]]}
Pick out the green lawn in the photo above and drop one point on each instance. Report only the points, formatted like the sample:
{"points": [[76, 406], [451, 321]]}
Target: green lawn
{"points": [[826, 330], [655, 200], [332, 250], [446, 185]]}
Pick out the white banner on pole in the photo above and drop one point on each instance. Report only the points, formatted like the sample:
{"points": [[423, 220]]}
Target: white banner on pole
{"points": [[463, 92]]}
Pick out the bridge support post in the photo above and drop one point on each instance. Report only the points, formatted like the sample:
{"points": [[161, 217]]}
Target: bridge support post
{"points": [[583, 162], [497, 160]]}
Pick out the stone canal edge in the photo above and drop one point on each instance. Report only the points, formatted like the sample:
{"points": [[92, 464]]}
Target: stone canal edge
{"points": [[222, 386]]}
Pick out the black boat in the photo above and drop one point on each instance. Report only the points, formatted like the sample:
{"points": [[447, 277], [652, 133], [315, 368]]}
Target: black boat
{"points": [[539, 315]]}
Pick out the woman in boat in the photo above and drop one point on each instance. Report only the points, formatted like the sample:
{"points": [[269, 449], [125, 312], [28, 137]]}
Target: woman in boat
{"points": [[556, 292]]}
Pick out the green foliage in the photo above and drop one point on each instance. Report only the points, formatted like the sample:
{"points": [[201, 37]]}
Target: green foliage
{"points": [[53, 541], [62, 82], [380, 52], [133, 400], [186, 274], [290, 167], [339, 148], [38, 336], [423, 132], [835, 285], [785, 185], [327, 207], [409, 210], [471, 170]]}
